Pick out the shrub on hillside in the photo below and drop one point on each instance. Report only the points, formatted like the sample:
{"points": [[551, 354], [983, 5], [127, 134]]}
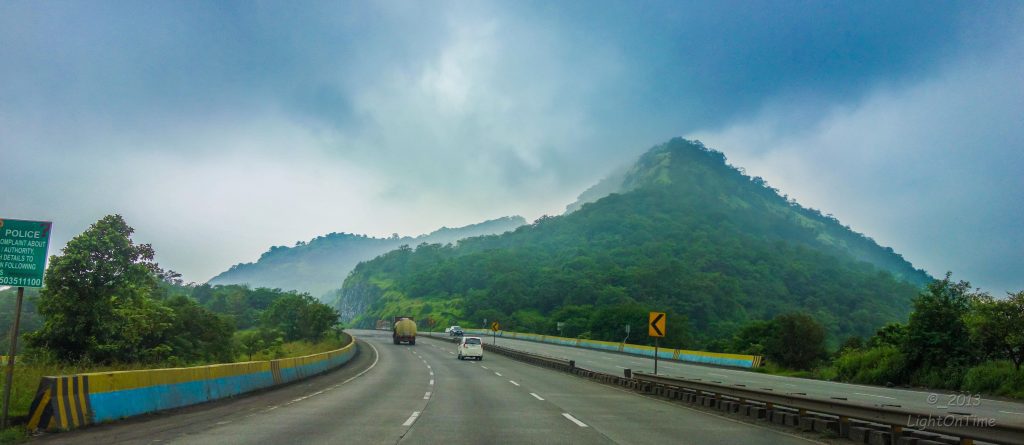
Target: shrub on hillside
{"points": [[997, 378], [875, 366]]}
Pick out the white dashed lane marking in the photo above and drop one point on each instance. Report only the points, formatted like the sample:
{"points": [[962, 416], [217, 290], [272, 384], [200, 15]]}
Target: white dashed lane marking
{"points": [[412, 418], [574, 420]]}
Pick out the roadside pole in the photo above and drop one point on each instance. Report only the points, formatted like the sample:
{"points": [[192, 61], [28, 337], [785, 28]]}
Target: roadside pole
{"points": [[656, 329], [25, 246], [655, 355], [10, 355]]}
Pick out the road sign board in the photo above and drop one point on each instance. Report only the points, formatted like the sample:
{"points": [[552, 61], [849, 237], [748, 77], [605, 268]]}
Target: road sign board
{"points": [[23, 249], [495, 326], [656, 326]]}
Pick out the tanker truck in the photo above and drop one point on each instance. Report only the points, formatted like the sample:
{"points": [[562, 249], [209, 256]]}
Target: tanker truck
{"points": [[404, 330]]}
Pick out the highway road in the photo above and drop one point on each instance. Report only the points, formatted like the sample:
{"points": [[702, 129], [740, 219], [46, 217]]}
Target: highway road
{"points": [[423, 395], [1004, 412]]}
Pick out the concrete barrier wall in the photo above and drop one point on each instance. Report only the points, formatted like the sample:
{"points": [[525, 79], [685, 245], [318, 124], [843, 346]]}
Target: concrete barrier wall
{"points": [[685, 355], [67, 402]]}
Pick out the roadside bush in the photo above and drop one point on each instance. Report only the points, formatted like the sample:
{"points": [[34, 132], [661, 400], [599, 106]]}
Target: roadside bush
{"points": [[995, 378], [939, 378], [875, 366]]}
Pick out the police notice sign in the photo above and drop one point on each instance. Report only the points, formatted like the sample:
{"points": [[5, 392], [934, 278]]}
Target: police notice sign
{"points": [[23, 250]]}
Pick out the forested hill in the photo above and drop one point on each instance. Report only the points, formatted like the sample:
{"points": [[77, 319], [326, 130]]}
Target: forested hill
{"points": [[688, 234], [321, 265], [730, 184]]}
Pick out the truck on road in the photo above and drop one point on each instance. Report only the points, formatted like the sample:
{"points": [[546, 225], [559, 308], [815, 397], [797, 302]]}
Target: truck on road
{"points": [[404, 329]]}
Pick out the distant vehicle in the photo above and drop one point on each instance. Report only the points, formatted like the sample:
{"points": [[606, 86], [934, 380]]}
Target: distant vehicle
{"points": [[471, 347], [448, 329], [404, 330], [455, 331]]}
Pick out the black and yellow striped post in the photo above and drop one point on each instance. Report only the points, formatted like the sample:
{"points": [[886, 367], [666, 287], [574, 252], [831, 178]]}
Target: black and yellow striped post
{"points": [[61, 403]]}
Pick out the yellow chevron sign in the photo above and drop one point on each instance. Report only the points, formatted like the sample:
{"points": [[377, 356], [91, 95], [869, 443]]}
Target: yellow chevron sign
{"points": [[656, 325]]}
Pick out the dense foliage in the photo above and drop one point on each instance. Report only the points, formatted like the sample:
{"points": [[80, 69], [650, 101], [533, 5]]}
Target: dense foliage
{"points": [[30, 320], [320, 265], [101, 304], [955, 339], [105, 301], [688, 234], [794, 340], [300, 317]]}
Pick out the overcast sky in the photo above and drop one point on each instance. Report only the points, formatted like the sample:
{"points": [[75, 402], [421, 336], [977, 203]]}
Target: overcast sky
{"points": [[219, 129]]}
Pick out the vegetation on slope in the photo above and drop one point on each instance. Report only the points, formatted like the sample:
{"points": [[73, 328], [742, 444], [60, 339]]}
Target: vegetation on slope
{"points": [[320, 265], [689, 235]]}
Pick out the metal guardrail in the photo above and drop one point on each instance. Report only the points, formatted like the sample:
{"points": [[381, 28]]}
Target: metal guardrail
{"points": [[843, 418], [897, 420]]}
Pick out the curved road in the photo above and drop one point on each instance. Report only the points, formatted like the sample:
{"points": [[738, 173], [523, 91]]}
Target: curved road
{"points": [[423, 395]]}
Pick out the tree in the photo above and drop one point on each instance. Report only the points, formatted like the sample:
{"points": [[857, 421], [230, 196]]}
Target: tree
{"points": [[796, 340], [251, 342], [197, 334], [300, 317], [751, 338], [853, 343], [937, 336], [94, 296], [892, 334], [998, 327]]}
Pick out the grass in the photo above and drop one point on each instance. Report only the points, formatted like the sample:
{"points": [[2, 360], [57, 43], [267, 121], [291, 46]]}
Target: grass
{"points": [[297, 349], [14, 434]]}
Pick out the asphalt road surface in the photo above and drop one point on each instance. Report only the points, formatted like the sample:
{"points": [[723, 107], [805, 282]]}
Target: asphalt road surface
{"points": [[423, 395], [937, 402]]}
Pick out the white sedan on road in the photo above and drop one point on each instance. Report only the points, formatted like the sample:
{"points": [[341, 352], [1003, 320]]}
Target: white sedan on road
{"points": [[471, 347]]}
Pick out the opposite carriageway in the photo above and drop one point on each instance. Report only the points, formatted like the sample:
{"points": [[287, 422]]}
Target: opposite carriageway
{"points": [[811, 405]]}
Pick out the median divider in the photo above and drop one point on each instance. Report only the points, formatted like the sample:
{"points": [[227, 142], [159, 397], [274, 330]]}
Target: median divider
{"points": [[68, 402], [683, 355], [862, 423]]}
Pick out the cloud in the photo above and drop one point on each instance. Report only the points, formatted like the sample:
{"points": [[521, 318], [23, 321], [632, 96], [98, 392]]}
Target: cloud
{"points": [[219, 129], [932, 169]]}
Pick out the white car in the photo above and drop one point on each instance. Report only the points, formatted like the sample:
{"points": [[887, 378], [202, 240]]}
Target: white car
{"points": [[471, 347]]}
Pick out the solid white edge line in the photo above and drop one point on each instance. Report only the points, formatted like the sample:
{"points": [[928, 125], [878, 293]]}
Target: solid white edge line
{"points": [[536, 396], [412, 418], [376, 357], [574, 420]]}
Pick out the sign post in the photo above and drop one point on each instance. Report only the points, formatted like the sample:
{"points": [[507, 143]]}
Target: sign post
{"points": [[656, 329], [23, 246], [494, 331]]}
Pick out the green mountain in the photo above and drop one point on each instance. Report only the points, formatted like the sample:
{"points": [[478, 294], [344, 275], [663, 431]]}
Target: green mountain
{"points": [[320, 265], [684, 232]]}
